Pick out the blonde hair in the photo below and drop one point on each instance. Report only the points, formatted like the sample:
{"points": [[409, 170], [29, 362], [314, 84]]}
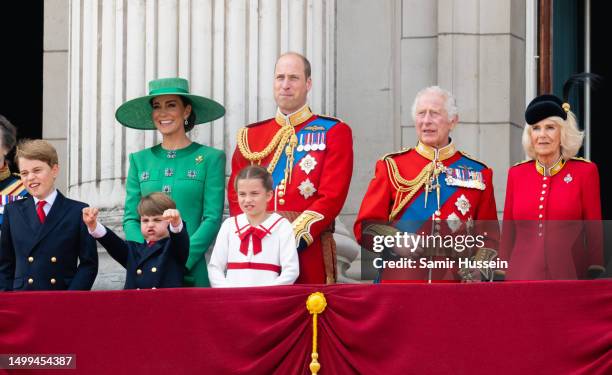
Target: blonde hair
{"points": [[36, 149], [571, 137]]}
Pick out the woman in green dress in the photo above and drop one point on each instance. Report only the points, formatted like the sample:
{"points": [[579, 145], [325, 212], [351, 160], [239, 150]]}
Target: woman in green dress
{"points": [[193, 175]]}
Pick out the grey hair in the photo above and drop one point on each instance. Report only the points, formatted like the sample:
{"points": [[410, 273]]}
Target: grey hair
{"points": [[571, 137], [450, 104]]}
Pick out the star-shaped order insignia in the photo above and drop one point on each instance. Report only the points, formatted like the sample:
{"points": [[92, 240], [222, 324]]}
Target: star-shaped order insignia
{"points": [[308, 163], [454, 222], [463, 204], [307, 189]]}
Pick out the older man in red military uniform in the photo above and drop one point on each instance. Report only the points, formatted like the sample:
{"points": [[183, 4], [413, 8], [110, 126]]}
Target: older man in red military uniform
{"points": [[310, 158], [432, 186]]}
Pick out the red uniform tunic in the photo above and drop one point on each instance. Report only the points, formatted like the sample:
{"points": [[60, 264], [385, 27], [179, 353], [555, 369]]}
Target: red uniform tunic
{"points": [[318, 185], [465, 204], [552, 227]]}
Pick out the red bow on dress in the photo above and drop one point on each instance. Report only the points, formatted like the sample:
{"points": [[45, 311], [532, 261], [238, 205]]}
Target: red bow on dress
{"points": [[256, 234]]}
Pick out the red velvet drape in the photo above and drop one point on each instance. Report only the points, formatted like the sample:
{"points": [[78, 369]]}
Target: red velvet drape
{"points": [[543, 327]]}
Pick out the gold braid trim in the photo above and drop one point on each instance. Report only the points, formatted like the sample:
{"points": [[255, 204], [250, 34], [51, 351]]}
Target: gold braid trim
{"points": [[280, 139], [301, 225], [403, 186]]}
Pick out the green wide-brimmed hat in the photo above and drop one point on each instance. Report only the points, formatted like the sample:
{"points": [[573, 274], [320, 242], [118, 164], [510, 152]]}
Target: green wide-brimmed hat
{"points": [[136, 113]]}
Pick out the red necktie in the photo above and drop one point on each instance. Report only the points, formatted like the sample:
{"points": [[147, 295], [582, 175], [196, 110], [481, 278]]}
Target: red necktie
{"points": [[255, 233], [40, 212], [150, 243]]}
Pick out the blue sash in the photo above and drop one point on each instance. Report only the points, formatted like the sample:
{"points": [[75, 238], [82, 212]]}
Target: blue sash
{"points": [[416, 214], [279, 170]]}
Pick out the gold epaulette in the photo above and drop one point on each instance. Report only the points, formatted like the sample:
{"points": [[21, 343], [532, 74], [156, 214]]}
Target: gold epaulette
{"points": [[259, 123], [402, 151], [473, 158], [581, 159], [330, 118], [523, 162]]}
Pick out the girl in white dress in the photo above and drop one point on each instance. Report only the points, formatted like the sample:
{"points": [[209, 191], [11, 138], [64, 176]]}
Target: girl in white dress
{"points": [[255, 248]]}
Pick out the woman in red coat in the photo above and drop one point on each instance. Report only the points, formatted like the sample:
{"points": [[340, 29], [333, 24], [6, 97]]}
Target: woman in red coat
{"points": [[552, 228]]}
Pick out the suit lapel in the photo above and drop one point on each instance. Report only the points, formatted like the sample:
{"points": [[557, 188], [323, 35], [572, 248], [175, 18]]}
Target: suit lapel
{"points": [[29, 213], [153, 250], [53, 218]]}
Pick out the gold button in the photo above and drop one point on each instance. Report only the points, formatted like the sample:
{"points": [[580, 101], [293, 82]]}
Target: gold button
{"points": [[52, 281], [541, 207], [545, 178], [540, 234], [541, 216], [30, 281], [139, 271], [281, 193], [438, 213], [543, 192], [281, 201], [30, 259], [541, 198], [154, 269], [540, 225], [53, 259], [544, 186]]}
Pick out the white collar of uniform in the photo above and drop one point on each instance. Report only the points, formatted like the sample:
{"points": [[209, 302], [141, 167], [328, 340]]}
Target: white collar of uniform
{"points": [[49, 199], [243, 222]]}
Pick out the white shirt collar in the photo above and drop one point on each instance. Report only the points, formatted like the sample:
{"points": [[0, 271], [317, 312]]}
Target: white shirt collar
{"points": [[49, 199]]}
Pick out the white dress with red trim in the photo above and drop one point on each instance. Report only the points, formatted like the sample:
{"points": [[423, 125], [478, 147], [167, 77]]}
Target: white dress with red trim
{"points": [[254, 256]]}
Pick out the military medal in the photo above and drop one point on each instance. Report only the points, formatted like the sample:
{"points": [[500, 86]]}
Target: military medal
{"points": [[307, 188], [568, 178], [464, 177], [300, 146], [308, 163], [307, 146], [322, 145], [315, 144], [463, 204]]}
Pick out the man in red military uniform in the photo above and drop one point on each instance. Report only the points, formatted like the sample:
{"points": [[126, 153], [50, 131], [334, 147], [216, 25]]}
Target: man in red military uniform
{"points": [[310, 158], [432, 188]]}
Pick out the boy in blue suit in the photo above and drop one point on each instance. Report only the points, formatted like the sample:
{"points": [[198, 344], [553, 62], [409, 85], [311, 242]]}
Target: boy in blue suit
{"points": [[44, 244], [159, 261]]}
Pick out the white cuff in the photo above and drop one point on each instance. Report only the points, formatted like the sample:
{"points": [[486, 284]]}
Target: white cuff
{"points": [[100, 231], [178, 229]]}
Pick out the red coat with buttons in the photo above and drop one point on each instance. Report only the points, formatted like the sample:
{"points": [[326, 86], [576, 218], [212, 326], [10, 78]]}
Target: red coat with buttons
{"points": [[379, 199], [552, 227], [330, 177]]}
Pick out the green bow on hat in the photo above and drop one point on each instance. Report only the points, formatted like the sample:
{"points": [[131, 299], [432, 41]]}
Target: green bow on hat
{"points": [[136, 113]]}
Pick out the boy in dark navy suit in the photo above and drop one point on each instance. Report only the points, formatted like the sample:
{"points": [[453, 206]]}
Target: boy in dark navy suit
{"points": [[44, 244], [159, 261]]}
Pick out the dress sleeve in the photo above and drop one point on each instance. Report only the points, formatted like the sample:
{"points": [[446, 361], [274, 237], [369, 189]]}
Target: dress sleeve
{"points": [[288, 256], [131, 219], [213, 197], [217, 266]]}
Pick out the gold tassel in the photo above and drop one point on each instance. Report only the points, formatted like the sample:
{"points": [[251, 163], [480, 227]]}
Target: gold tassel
{"points": [[315, 304]]}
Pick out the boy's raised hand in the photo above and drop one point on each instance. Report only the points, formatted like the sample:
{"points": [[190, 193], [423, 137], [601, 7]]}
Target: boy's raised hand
{"points": [[90, 217], [173, 216]]}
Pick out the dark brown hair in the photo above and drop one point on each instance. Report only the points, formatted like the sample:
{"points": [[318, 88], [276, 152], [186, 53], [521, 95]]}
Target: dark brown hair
{"points": [[155, 204], [255, 172], [307, 68], [36, 149], [8, 133]]}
